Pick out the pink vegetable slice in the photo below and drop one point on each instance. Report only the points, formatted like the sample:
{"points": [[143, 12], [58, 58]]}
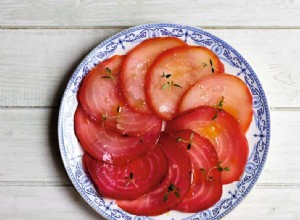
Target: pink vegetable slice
{"points": [[101, 97], [206, 183], [136, 65], [222, 90], [108, 145], [173, 73], [171, 190], [130, 180], [225, 134]]}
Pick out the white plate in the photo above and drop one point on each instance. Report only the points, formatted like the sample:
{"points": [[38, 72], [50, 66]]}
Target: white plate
{"points": [[258, 135]]}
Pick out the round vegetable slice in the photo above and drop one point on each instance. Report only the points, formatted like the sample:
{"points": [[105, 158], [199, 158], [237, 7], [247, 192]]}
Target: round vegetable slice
{"points": [[224, 133], [101, 97], [171, 190], [173, 73], [224, 91], [136, 65], [130, 180], [206, 184], [108, 145]]}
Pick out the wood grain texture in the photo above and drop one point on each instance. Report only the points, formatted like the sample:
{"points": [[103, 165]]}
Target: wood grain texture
{"points": [[65, 203], [215, 13], [36, 64], [28, 141], [43, 203]]}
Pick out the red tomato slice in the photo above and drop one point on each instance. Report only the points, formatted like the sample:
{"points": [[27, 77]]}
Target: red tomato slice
{"points": [[231, 91], [108, 145], [206, 184], [130, 180], [136, 65], [224, 133], [101, 97], [173, 73], [171, 190]]}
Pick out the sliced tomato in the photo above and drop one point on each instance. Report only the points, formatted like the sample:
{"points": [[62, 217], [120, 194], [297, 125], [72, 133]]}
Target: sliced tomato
{"points": [[171, 190], [173, 73], [101, 97], [136, 65], [130, 180], [224, 133], [206, 184], [108, 145], [221, 90]]}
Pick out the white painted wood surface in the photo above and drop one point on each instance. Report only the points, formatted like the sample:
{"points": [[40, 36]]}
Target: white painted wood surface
{"points": [[41, 43]]}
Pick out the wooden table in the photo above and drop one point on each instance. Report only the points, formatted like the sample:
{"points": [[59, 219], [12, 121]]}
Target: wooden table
{"points": [[41, 43]]}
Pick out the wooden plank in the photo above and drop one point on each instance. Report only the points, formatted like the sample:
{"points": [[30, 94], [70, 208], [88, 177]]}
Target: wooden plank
{"points": [[68, 14], [36, 64], [66, 203], [43, 203], [29, 148]]}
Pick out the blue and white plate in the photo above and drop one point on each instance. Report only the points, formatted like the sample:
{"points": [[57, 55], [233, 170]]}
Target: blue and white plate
{"points": [[258, 134]]}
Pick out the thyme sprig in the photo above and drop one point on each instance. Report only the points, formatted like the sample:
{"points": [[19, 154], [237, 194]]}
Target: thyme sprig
{"points": [[171, 189], [109, 75], [189, 142]]}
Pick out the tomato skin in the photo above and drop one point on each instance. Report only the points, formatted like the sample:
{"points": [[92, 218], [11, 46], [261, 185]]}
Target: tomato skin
{"points": [[135, 66], [155, 202], [173, 73], [130, 180], [101, 97], [108, 145], [206, 183], [213, 89], [224, 133]]}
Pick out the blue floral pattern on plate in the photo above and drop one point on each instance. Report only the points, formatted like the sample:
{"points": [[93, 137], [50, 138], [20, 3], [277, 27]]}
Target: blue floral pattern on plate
{"points": [[258, 134]]}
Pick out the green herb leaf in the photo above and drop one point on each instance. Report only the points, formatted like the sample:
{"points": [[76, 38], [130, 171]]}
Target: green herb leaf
{"points": [[215, 116], [221, 102], [177, 85], [203, 170], [105, 77], [171, 187], [165, 197], [104, 117], [108, 71], [226, 169], [165, 86], [177, 194]]}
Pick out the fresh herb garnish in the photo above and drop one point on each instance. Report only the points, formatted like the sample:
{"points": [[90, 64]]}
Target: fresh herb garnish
{"points": [[103, 117], [211, 65], [166, 75], [215, 115], [218, 107], [169, 85], [109, 75], [129, 180], [189, 142], [171, 189], [218, 167]]}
